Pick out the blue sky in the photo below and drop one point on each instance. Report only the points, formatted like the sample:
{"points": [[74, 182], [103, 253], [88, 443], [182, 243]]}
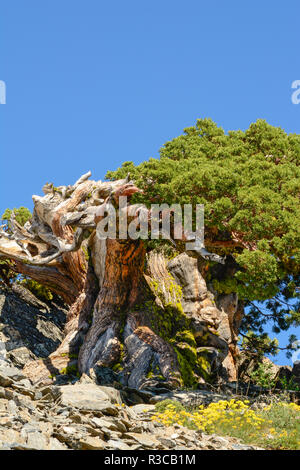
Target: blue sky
{"points": [[92, 84]]}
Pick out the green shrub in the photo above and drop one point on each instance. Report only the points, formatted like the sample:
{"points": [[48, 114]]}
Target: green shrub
{"points": [[40, 291], [263, 376]]}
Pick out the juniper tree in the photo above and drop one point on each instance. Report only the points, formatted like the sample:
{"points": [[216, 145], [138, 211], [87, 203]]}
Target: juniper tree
{"points": [[249, 185]]}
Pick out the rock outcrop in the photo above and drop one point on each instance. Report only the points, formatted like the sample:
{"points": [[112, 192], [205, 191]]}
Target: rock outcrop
{"points": [[29, 328], [289, 375], [296, 373]]}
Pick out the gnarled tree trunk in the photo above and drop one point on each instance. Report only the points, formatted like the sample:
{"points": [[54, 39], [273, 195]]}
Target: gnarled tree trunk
{"points": [[149, 320]]}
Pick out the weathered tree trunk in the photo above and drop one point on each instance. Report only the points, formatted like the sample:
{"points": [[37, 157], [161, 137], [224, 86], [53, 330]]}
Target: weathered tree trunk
{"points": [[123, 269], [149, 325]]}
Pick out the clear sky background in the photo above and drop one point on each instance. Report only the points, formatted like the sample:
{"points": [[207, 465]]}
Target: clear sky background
{"points": [[91, 84]]}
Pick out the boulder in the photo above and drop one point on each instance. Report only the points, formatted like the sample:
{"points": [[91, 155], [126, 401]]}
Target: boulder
{"points": [[283, 373], [90, 397], [9, 374]]}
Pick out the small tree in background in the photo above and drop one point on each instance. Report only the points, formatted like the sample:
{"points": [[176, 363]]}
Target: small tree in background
{"points": [[22, 215]]}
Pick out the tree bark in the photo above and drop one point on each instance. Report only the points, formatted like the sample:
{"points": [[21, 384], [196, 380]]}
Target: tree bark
{"points": [[117, 314]]}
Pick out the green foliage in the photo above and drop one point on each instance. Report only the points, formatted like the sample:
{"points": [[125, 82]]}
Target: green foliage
{"points": [[225, 286], [259, 275], [259, 345], [7, 275], [289, 384], [22, 215], [248, 182], [40, 291], [275, 426], [70, 370], [285, 430], [263, 376], [163, 405]]}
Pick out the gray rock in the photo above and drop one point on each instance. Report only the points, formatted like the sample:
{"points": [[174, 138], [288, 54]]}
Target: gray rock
{"points": [[88, 397], [296, 372], [9, 374], [145, 440], [142, 409], [20, 356], [37, 441], [112, 393], [29, 327], [116, 445], [168, 443], [25, 383], [54, 444], [105, 423], [12, 407], [91, 443]]}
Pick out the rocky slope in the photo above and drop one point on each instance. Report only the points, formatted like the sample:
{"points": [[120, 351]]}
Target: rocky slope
{"points": [[86, 416], [77, 413], [87, 412]]}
